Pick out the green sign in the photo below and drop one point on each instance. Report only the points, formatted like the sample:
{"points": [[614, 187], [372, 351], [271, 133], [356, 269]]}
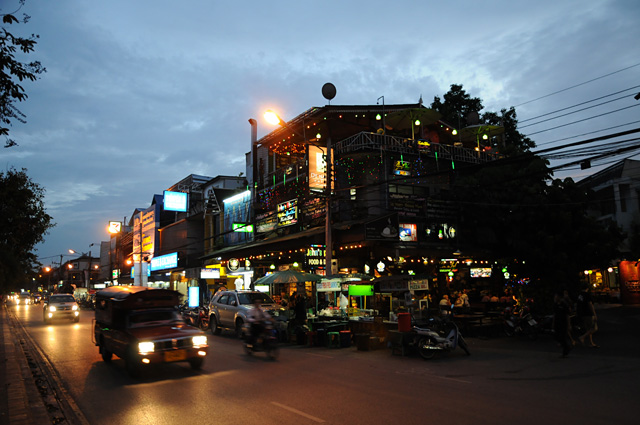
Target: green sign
{"points": [[360, 290], [242, 227]]}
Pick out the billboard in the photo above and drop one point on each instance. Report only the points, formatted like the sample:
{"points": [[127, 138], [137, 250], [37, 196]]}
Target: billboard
{"points": [[175, 201], [237, 209]]}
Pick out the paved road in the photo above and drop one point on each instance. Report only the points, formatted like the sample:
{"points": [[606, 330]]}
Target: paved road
{"points": [[504, 381]]}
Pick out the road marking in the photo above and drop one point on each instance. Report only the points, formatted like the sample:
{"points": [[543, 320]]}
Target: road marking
{"points": [[291, 409], [320, 355], [452, 379]]}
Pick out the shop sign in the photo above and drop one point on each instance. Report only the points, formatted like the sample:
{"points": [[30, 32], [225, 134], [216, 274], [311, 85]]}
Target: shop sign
{"points": [[288, 213], [393, 286], [265, 222], [402, 168], [169, 261], [209, 273], [385, 228], [408, 232], [419, 285], [328, 286], [315, 256]]}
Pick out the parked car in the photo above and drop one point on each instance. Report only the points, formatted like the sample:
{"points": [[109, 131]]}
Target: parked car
{"points": [[60, 306], [229, 309], [143, 326]]}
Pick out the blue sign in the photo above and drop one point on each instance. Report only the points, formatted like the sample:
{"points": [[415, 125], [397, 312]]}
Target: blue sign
{"points": [[175, 201], [194, 296], [169, 261]]}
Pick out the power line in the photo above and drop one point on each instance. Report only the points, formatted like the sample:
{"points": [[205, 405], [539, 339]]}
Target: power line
{"points": [[578, 85], [582, 120], [589, 133], [583, 103], [572, 112]]}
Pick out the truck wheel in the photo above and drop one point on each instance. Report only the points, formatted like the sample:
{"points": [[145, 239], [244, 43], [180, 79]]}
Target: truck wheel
{"points": [[196, 363], [213, 325], [106, 354]]}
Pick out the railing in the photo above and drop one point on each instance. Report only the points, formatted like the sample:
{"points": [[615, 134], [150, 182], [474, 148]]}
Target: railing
{"points": [[365, 141]]}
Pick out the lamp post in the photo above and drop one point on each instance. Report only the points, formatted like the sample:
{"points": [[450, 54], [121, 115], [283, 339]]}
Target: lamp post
{"points": [[87, 276], [273, 118]]}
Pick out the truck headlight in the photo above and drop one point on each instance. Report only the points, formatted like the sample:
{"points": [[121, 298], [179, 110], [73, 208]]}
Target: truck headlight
{"points": [[199, 341], [52, 308], [146, 347]]}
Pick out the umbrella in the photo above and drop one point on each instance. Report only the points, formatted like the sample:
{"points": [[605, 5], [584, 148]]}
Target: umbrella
{"points": [[407, 118], [473, 133], [288, 276]]}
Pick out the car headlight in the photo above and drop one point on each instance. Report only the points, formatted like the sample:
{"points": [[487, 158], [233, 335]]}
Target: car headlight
{"points": [[146, 347], [75, 307], [199, 341], [52, 308]]}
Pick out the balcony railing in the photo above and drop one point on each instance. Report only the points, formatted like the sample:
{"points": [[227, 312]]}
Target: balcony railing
{"points": [[366, 141]]}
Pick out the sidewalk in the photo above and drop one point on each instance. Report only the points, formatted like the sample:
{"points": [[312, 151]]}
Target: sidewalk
{"points": [[20, 399]]}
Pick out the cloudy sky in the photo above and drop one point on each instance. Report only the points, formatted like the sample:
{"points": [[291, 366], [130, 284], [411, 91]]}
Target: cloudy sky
{"points": [[139, 94]]}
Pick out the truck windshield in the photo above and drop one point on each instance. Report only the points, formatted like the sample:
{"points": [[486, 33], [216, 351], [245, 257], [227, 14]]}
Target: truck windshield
{"points": [[152, 318]]}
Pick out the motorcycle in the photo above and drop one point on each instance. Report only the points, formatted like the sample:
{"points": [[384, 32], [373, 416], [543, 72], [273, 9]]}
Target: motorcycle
{"points": [[520, 323], [441, 337], [197, 317], [266, 341]]}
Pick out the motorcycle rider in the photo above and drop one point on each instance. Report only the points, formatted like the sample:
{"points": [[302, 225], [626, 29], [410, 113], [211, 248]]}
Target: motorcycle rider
{"points": [[257, 319]]}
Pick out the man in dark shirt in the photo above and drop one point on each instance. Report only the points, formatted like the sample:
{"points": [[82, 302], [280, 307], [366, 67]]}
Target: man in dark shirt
{"points": [[561, 312]]}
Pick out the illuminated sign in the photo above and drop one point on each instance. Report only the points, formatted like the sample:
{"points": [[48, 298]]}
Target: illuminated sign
{"points": [[315, 256], [360, 290], [288, 213], [402, 168], [208, 273], [175, 201], [242, 227], [480, 272], [408, 232], [194, 296], [162, 262], [115, 227], [317, 169]]}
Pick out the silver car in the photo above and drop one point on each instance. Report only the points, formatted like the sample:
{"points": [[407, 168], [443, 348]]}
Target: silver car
{"points": [[61, 306], [229, 309]]}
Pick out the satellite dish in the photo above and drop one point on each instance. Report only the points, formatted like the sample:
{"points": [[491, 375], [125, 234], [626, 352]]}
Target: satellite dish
{"points": [[329, 91]]}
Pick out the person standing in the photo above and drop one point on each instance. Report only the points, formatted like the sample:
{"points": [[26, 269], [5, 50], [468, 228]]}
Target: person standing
{"points": [[561, 323], [587, 315]]}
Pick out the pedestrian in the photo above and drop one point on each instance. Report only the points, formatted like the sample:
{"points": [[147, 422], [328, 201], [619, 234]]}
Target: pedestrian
{"points": [[569, 301], [587, 315], [561, 323]]}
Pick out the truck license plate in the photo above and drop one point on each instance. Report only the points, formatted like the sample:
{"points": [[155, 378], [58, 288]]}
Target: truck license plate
{"points": [[175, 355]]}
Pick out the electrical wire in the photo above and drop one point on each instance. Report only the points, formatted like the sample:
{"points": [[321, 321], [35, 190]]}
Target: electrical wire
{"points": [[577, 85]]}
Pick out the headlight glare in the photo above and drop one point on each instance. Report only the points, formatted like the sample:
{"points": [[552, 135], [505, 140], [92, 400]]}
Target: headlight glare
{"points": [[75, 307], [146, 347], [199, 341], [52, 308]]}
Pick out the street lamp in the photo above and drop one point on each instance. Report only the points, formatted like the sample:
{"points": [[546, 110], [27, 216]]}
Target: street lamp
{"points": [[87, 276], [273, 118]]}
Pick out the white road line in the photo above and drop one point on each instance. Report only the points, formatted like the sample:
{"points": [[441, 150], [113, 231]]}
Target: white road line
{"points": [[320, 355], [291, 409], [452, 379]]}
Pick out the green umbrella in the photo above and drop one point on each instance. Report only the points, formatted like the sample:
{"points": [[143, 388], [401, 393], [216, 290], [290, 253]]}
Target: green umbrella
{"points": [[288, 276], [474, 133], [410, 118]]}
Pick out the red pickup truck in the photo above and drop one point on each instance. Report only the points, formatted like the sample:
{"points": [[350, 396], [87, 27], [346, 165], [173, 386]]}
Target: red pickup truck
{"points": [[143, 326]]}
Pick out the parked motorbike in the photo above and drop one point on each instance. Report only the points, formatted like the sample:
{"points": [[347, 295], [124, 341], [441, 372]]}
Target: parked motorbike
{"points": [[520, 323], [197, 317], [266, 342], [439, 337]]}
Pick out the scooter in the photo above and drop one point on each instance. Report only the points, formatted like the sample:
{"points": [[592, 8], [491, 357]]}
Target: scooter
{"points": [[522, 323], [430, 341], [266, 342]]}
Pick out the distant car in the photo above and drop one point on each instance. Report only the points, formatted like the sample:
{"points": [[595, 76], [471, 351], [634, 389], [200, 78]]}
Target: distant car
{"points": [[61, 306], [229, 309], [24, 298]]}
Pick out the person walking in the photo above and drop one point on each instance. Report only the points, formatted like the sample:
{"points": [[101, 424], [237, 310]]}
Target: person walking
{"points": [[561, 312], [587, 314]]}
